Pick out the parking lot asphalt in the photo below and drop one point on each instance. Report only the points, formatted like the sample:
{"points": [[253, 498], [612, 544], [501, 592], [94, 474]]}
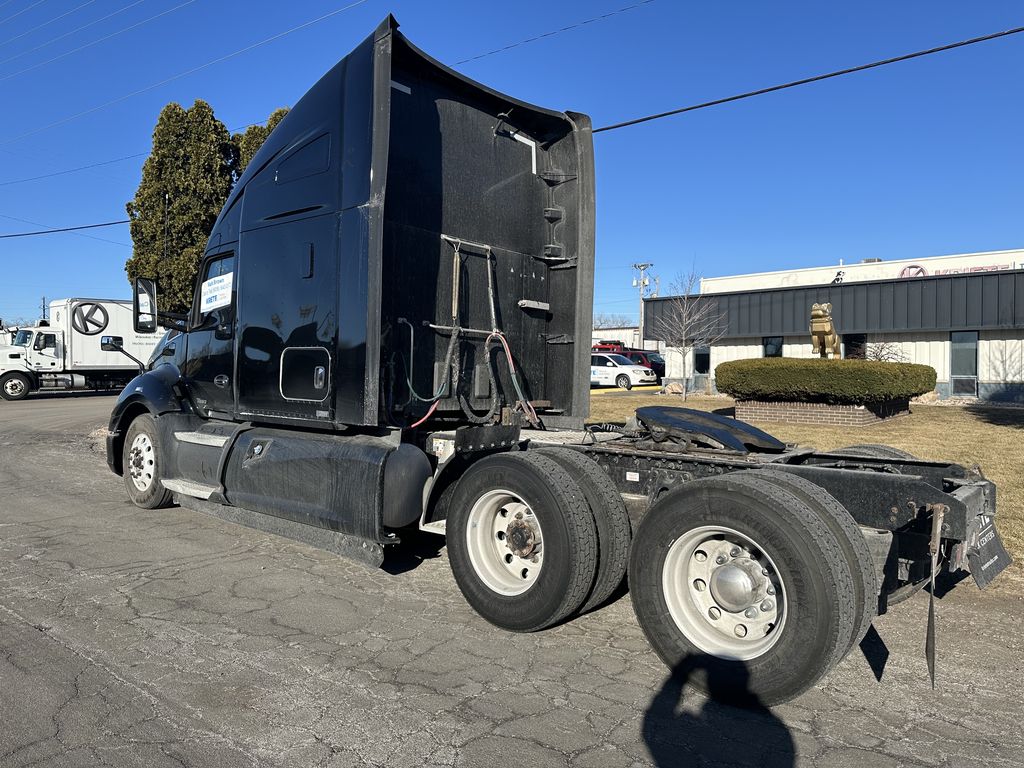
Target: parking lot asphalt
{"points": [[169, 638]]}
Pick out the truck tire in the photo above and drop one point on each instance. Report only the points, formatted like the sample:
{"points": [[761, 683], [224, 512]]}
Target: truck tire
{"points": [[847, 532], [15, 386], [742, 584], [623, 382], [141, 462], [873, 451], [521, 541], [611, 519]]}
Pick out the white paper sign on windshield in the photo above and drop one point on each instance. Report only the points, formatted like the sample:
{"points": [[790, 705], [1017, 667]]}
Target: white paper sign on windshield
{"points": [[216, 292]]}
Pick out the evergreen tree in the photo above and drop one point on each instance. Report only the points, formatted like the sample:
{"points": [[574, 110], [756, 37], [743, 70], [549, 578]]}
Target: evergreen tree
{"points": [[253, 137], [185, 181]]}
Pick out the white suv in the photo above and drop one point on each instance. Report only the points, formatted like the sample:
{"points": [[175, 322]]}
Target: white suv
{"points": [[609, 369]]}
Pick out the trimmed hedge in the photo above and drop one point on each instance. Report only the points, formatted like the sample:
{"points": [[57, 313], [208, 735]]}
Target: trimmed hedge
{"points": [[840, 382]]}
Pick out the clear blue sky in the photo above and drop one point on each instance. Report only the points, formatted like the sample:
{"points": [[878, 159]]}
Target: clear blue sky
{"points": [[917, 159]]}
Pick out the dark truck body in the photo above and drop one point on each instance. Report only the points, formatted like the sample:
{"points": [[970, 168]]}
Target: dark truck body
{"points": [[401, 281]]}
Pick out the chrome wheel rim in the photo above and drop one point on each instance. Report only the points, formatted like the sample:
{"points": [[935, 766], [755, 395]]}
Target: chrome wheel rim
{"points": [[724, 593], [142, 462], [505, 542], [14, 387]]}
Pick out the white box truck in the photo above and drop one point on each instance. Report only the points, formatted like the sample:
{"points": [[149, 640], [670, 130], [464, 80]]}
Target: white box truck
{"points": [[64, 353]]}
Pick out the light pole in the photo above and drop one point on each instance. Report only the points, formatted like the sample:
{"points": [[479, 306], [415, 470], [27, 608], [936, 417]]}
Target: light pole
{"points": [[641, 284]]}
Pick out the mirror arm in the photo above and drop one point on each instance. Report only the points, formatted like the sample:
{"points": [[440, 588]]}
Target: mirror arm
{"points": [[175, 321], [133, 358]]}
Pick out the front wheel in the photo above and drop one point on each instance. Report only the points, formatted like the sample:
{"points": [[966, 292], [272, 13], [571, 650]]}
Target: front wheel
{"points": [[623, 382], [741, 586], [521, 541], [15, 386], [141, 462]]}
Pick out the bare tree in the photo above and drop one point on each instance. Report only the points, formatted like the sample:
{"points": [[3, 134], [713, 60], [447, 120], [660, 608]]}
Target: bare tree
{"points": [[885, 352], [606, 320], [689, 321]]}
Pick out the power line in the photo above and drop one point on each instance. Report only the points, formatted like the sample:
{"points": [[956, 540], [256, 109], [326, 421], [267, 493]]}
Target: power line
{"points": [[101, 162], [554, 32], [66, 229], [23, 10], [89, 44], [47, 23], [815, 79], [72, 170], [187, 72]]}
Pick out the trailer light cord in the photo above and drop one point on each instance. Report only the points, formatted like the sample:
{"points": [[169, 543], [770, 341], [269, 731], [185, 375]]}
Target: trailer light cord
{"points": [[814, 79]]}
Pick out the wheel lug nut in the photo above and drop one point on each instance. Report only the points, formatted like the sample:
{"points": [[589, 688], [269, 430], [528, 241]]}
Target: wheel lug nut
{"points": [[734, 552], [764, 571], [750, 613], [770, 590], [767, 605], [740, 630], [699, 585], [700, 557], [720, 559], [714, 613]]}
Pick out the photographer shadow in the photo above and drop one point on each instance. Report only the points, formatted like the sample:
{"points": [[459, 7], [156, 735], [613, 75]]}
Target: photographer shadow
{"points": [[730, 728]]}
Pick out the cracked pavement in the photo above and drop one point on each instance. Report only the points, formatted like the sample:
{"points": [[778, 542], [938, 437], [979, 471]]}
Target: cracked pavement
{"points": [[170, 638]]}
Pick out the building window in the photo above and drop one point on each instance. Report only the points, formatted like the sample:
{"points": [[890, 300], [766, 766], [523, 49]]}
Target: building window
{"points": [[855, 346], [963, 363], [702, 360], [772, 346]]}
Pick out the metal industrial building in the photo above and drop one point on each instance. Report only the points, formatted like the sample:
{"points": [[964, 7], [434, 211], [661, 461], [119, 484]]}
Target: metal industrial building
{"points": [[963, 315]]}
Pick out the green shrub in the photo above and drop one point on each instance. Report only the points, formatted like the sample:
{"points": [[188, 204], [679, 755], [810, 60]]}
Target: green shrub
{"points": [[856, 382]]}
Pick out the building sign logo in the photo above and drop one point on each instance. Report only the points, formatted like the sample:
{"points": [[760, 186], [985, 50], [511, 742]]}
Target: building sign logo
{"points": [[913, 270], [89, 319]]}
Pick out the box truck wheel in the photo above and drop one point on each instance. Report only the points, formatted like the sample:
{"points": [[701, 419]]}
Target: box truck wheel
{"points": [[614, 530], [15, 386], [141, 462], [521, 541], [742, 587]]}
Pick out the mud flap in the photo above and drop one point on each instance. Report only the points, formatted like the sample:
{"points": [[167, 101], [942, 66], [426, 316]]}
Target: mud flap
{"points": [[986, 555]]}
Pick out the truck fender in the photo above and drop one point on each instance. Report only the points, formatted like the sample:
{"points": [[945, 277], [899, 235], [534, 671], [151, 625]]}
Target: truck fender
{"points": [[150, 392]]}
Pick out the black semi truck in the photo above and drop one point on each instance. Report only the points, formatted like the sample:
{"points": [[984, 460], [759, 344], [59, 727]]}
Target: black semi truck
{"points": [[391, 331]]}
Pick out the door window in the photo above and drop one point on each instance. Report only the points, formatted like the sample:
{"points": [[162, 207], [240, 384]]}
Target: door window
{"points": [[217, 295], [963, 364]]}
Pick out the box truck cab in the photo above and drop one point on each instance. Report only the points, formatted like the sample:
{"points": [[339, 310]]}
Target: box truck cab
{"points": [[65, 353]]}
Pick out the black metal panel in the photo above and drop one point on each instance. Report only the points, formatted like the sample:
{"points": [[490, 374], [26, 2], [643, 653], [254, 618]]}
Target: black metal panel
{"points": [[926, 304]]}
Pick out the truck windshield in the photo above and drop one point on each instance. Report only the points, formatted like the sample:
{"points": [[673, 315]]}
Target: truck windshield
{"points": [[22, 338]]}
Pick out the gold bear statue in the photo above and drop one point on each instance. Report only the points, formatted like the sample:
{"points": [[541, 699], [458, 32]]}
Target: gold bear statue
{"points": [[823, 332]]}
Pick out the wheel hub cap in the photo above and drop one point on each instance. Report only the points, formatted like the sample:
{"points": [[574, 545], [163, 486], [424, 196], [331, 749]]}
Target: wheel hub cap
{"points": [[724, 592], [738, 585], [505, 542], [521, 538]]}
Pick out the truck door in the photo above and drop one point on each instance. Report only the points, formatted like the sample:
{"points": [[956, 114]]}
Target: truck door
{"points": [[209, 362], [46, 353], [288, 320]]}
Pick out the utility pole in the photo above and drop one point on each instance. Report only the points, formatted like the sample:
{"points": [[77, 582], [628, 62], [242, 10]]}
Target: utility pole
{"points": [[642, 284]]}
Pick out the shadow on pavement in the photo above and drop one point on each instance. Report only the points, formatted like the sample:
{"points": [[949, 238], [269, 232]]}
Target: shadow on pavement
{"points": [[416, 546], [743, 732]]}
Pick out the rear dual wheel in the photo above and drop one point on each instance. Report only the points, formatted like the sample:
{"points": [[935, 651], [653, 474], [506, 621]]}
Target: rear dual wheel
{"points": [[535, 537], [748, 586]]}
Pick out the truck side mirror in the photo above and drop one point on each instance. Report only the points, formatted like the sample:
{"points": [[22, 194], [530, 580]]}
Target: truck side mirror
{"points": [[144, 311], [111, 343]]}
